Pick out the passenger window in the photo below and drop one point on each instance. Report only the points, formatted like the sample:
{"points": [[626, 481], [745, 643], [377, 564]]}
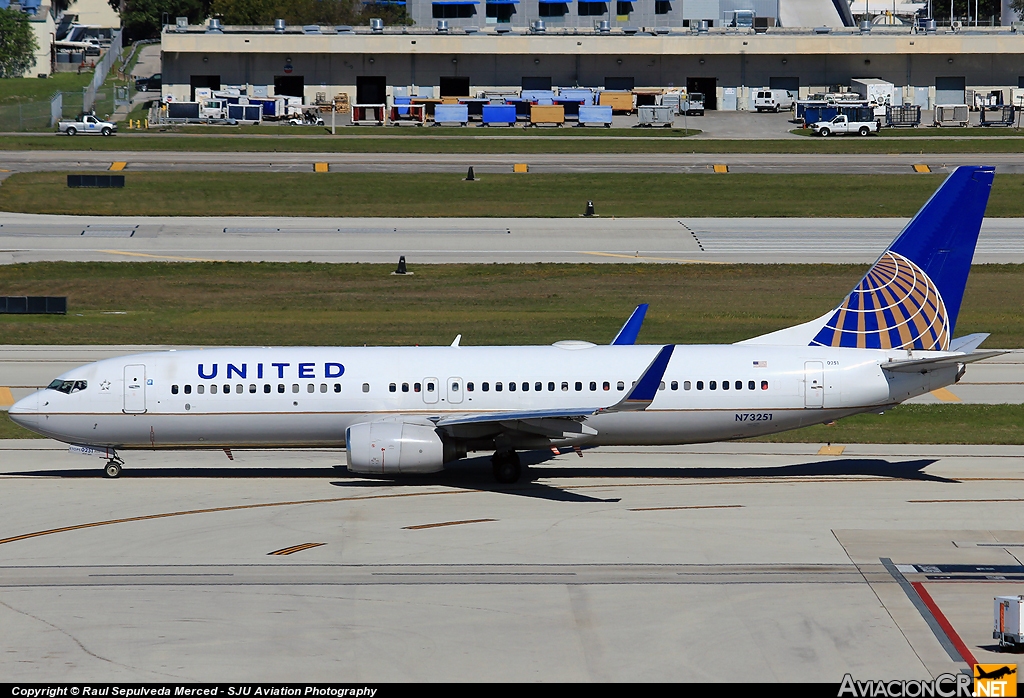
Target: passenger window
{"points": [[405, 387], [455, 387], [565, 385], [738, 385], [239, 388], [620, 386], [430, 388], [280, 387], [266, 388], [416, 387], [213, 389], [392, 388], [485, 386], [725, 385], [188, 389], [606, 385], [551, 386], [497, 387], [323, 387], [538, 386], [200, 389], [712, 385], [764, 385], [700, 385], [512, 386], [366, 387], [525, 386], [227, 389], [674, 385], [686, 385], [661, 386], [174, 390], [337, 387], [593, 386], [295, 387], [252, 387], [750, 385], [579, 386]]}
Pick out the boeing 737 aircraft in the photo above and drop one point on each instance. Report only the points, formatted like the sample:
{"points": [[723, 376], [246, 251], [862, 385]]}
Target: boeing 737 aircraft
{"points": [[412, 409]]}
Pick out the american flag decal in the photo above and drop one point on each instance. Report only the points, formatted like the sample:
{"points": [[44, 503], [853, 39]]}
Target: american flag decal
{"points": [[760, 364]]}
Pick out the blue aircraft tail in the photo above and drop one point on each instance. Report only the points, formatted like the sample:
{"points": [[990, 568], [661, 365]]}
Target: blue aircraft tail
{"points": [[911, 297]]}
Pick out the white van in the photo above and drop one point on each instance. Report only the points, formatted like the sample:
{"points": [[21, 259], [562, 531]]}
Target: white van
{"points": [[774, 100]]}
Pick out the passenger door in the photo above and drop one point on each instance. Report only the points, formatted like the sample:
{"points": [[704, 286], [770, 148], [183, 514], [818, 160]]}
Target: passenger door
{"points": [[814, 384], [135, 389]]}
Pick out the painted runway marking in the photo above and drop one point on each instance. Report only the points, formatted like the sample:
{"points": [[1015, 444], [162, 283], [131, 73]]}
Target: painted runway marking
{"points": [[945, 395], [445, 523], [697, 506], [6, 398], [296, 548], [946, 626], [830, 450], [659, 259], [158, 256], [118, 166]]}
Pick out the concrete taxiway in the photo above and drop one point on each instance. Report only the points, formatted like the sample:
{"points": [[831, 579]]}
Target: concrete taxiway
{"points": [[681, 163], [32, 238], [630, 564], [26, 368]]}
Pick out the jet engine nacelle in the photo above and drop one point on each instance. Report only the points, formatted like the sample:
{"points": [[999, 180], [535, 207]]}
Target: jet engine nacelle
{"points": [[394, 448]]}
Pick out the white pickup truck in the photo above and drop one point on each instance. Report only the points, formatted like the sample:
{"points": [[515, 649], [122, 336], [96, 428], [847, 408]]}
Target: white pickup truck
{"points": [[841, 124], [87, 123]]}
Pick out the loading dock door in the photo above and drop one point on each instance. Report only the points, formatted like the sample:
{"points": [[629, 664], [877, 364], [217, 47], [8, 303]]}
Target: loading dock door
{"points": [[210, 81], [289, 85], [791, 84], [950, 90], [706, 86], [454, 87], [371, 89], [536, 83], [621, 84]]}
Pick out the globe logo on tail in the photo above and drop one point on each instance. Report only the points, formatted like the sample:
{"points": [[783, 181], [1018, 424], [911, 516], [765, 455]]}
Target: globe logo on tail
{"points": [[895, 306]]}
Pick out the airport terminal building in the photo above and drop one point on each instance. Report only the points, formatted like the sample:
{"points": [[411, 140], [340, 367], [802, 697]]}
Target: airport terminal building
{"points": [[722, 62]]}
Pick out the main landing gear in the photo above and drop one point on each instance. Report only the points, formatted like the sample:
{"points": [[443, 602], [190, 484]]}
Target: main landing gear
{"points": [[113, 467], [507, 469]]}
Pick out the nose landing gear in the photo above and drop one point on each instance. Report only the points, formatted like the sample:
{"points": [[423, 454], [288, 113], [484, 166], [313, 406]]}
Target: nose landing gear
{"points": [[113, 467]]}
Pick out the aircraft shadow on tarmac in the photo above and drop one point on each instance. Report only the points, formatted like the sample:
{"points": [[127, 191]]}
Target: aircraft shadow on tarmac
{"points": [[475, 474]]}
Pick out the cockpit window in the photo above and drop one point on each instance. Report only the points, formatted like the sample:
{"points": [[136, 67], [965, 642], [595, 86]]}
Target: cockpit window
{"points": [[68, 387]]}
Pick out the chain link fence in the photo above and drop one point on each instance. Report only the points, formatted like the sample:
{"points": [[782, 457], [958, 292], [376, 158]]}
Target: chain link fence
{"points": [[42, 116]]}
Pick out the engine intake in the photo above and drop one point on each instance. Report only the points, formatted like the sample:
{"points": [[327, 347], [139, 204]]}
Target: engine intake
{"points": [[396, 448]]}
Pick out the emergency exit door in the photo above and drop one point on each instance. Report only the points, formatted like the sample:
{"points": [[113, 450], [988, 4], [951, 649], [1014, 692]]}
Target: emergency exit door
{"points": [[814, 384], [135, 389]]}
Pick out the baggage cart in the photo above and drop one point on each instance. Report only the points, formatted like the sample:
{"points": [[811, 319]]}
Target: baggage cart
{"points": [[499, 115], [246, 113], [903, 116], [586, 96], [1006, 621], [672, 100], [571, 106], [952, 115], [596, 116], [620, 102], [538, 96], [1001, 115], [428, 103], [655, 115], [474, 107], [404, 112], [547, 114], [368, 114], [453, 114]]}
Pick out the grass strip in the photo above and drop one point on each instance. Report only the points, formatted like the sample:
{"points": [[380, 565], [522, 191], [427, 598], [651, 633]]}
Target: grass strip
{"points": [[10, 430], [494, 195], [918, 424], [489, 144], [354, 304]]}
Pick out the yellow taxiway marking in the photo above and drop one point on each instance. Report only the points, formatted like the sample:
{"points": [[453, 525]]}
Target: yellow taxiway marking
{"points": [[118, 166], [520, 167], [923, 169], [659, 259], [721, 169], [296, 548], [321, 167], [214, 510], [158, 256], [699, 506], [6, 399], [445, 523], [830, 450], [945, 395]]}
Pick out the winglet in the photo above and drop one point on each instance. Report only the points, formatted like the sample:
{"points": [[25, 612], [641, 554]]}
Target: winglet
{"points": [[629, 331], [641, 395]]}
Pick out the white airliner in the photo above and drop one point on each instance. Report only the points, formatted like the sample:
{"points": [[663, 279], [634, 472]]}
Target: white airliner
{"points": [[413, 409]]}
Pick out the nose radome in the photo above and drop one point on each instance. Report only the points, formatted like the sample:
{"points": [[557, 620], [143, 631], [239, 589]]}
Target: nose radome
{"points": [[24, 411]]}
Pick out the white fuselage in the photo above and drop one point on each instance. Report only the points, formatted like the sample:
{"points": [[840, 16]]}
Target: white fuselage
{"points": [[308, 396]]}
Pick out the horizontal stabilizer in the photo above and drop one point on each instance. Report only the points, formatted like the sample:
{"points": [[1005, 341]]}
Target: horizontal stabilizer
{"points": [[926, 365], [630, 331], [968, 343]]}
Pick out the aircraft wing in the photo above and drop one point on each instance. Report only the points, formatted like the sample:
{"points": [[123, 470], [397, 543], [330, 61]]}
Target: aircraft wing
{"points": [[926, 365], [639, 397]]}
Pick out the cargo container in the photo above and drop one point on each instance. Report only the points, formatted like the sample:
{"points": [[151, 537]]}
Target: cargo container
{"points": [[659, 115], [1006, 621], [903, 116], [620, 102], [547, 114], [499, 114], [952, 115], [597, 115], [245, 113], [456, 114]]}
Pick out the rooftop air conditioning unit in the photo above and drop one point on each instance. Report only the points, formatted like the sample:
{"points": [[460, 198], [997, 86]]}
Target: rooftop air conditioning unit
{"points": [[503, 29], [538, 26], [630, 30], [377, 25], [442, 26], [703, 27], [311, 29], [181, 24], [343, 29], [279, 25], [865, 26], [214, 27]]}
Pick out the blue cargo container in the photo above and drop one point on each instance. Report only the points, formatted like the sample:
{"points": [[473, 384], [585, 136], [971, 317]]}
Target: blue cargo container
{"points": [[499, 114], [596, 116], [451, 114], [538, 96], [585, 96]]}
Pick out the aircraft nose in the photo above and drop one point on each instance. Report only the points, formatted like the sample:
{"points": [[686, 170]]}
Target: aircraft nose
{"points": [[25, 410]]}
